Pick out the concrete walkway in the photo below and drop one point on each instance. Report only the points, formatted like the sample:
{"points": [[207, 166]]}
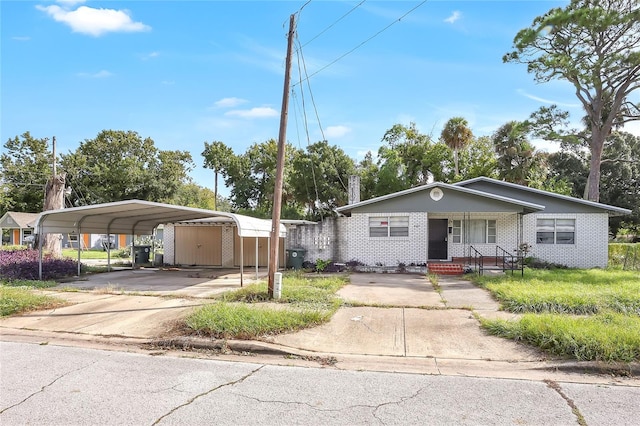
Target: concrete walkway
{"points": [[427, 325]]}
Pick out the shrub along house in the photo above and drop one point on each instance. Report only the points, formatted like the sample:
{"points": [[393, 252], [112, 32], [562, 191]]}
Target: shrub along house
{"points": [[442, 222]]}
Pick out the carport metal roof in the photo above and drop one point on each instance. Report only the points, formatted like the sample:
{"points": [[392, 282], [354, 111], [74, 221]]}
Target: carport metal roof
{"points": [[138, 217]]}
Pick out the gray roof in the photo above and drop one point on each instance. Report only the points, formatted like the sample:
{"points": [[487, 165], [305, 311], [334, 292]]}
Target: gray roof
{"points": [[524, 189], [523, 205], [18, 220]]}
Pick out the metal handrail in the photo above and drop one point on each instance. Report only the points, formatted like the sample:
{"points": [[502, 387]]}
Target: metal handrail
{"points": [[513, 260], [478, 260]]}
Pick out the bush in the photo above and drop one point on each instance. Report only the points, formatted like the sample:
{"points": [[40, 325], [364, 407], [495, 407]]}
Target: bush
{"points": [[23, 265], [535, 263]]}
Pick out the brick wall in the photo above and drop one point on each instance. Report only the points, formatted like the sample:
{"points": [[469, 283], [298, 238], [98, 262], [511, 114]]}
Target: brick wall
{"points": [[591, 240], [319, 240], [355, 243], [228, 241], [168, 242]]}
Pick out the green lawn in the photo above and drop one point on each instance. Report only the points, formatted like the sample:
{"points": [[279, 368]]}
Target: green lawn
{"points": [[15, 300], [242, 314], [583, 314], [94, 254], [572, 291]]}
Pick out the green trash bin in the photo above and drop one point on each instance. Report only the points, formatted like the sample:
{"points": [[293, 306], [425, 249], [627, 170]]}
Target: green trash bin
{"points": [[295, 258], [141, 254]]}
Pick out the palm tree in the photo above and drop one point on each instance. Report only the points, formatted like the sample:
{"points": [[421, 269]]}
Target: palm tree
{"points": [[456, 135], [518, 161], [217, 156]]}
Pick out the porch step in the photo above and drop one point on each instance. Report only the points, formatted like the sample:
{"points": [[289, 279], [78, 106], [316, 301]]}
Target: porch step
{"points": [[446, 268]]}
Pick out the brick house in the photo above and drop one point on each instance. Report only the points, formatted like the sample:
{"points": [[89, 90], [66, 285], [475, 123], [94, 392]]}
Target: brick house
{"points": [[445, 222]]}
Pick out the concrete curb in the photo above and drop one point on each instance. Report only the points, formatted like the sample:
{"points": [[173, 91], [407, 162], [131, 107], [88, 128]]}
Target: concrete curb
{"points": [[263, 348]]}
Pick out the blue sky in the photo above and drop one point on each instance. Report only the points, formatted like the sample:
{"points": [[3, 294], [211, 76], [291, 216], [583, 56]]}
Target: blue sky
{"points": [[186, 72]]}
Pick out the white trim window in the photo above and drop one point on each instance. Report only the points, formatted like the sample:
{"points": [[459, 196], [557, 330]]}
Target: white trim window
{"points": [[555, 231], [389, 226], [479, 231]]}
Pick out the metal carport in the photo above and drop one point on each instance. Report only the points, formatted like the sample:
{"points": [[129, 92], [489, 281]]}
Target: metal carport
{"points": [[136, 217]]}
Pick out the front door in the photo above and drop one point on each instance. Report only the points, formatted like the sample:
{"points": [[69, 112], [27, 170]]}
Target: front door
{"points": [[438, 239]]}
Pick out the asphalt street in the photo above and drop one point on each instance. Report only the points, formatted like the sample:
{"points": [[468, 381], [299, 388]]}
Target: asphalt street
{"points": [[55, 385]]}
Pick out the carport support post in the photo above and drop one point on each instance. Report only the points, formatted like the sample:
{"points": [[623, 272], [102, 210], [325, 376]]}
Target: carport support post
{"points": [[40, 252], [241, 261], [79, 245], [257, 259]]}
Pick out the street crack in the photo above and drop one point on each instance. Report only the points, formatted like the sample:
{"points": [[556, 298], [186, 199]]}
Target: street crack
{"points": [[191, 400], [373, 407], [42, 389], [574, 408]]}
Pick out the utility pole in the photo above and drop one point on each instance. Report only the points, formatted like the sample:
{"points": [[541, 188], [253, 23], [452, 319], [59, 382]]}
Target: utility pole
{"points": [[282, 136]]}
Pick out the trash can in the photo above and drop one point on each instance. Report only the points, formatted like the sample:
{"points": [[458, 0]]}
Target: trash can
{"points": [[141, 254], [295, 258], [158, 259]]}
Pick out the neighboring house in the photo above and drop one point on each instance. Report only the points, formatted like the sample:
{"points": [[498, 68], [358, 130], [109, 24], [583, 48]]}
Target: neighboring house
{"points": [[448, 222], [16, 226], [17, 229]]}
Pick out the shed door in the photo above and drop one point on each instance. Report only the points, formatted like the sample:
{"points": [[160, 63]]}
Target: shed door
{"points": [[438, 239], [198, 245], [249, 249]]}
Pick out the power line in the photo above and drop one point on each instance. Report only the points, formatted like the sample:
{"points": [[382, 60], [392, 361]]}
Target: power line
{"points": [[334, 23], [315, 109], [364, 42]]}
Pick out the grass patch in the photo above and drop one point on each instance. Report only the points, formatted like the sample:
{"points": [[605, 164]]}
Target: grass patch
{"points": [[240, 321], [306, 302], [568, 291], [15, 300], [602, 337], [583, 314], [297, 289], [28, 283], [96, 253]]}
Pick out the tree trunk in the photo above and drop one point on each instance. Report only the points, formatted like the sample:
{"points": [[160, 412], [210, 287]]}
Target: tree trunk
{"points": [[455, 160], [54, 200], [592, 191], [215, 192]]}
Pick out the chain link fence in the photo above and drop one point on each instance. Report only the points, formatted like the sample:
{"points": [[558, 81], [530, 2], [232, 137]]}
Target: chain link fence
{"points": [[624, 256]]}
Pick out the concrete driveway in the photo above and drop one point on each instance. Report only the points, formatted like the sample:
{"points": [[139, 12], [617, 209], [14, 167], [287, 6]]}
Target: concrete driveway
{"points": [[191, 282], [398, 315], [128, 303]]}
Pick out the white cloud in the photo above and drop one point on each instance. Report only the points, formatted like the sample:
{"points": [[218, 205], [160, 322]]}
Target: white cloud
{"points": [[99, 74], [260, 112], [168, 82], [95, 22], [150, 55], [336, 131], [69, 3], [454, 17], [21, 38], [546, 101], [230, 102]]}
